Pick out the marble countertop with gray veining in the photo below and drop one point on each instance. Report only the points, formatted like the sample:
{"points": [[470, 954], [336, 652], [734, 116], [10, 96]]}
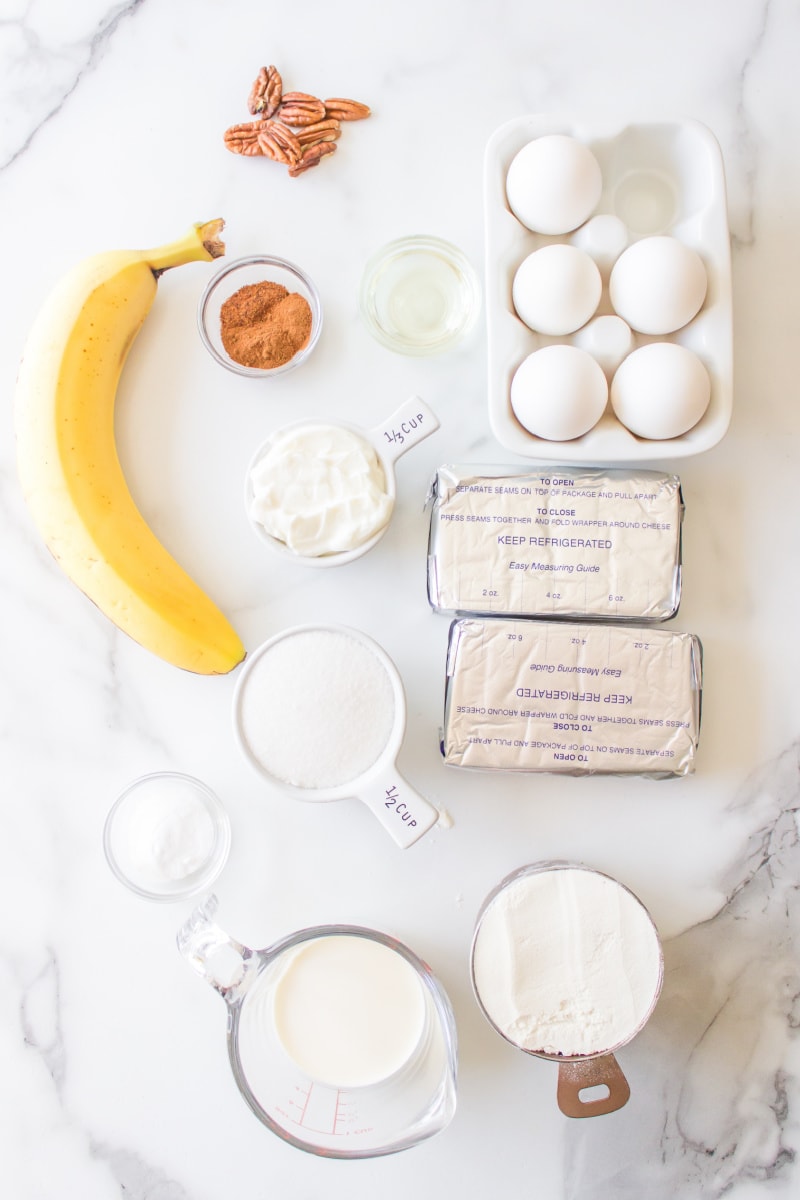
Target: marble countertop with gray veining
{"points": [[114, 1076]]}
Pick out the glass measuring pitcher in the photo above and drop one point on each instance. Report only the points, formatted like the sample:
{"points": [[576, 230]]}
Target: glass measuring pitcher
{"points": [[341, 1040]]}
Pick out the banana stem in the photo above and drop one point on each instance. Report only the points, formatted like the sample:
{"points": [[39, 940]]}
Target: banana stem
{"points": [[201, 244]]}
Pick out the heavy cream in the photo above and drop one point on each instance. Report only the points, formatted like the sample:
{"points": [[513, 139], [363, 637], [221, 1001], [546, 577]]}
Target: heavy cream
{"points": [[566, 962], [348, 1011], [319, 489]]}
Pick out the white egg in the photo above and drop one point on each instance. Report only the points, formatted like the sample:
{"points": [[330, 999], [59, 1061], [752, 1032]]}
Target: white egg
{"points": [[660, 391], [553, 184], [556, 289], [559, 393], [658, 285]]}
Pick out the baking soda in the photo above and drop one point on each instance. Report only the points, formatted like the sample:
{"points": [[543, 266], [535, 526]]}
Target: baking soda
{"points": [[170, 832], [165, 833], [317, 708]]}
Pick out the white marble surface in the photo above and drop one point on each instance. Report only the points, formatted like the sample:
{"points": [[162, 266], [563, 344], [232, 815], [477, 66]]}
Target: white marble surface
{"points": [[114, 1079]]}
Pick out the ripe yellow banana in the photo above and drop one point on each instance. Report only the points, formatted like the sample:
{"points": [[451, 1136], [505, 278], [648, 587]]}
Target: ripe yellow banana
{"points": [[69, 466]]}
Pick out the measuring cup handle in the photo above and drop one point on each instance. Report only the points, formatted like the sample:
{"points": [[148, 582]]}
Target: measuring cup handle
{"points": [[224, 963], [574, 1077], [409, 424], [400, 809]]}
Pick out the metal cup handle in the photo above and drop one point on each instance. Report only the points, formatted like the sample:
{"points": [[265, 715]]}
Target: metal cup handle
{"points": [[574, 1077]]}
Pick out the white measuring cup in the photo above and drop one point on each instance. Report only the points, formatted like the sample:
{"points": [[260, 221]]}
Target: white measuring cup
{"points": [[407, 426], [580, 1076], [403, 812], [394, 1113]]}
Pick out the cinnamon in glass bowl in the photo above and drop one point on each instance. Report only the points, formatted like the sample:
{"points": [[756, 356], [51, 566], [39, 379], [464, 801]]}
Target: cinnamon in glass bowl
{"points": [[260, 316]]}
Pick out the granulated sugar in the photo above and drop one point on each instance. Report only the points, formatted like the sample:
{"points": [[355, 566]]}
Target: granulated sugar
{"points": [[317, 708]]}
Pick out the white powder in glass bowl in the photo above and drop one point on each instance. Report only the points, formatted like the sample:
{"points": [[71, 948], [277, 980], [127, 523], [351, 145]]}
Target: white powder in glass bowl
{"points": [[317, 708], [166, 836]]}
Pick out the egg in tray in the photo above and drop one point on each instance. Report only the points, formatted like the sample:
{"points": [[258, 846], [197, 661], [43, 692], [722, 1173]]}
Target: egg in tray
{"points": [[608, 290]]}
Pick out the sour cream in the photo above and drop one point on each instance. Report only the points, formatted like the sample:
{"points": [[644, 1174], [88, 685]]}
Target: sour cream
{"points": [[320, 489]]}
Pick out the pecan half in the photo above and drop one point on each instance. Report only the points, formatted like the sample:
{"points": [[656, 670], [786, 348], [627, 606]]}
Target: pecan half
{"points": [[243, 139], [321, 131], [299, 108], [346, 110], [311, 157], [265, 94], [277, 141]]}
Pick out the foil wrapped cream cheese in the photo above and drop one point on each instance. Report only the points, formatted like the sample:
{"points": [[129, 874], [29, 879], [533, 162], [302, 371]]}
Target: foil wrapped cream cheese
{"points": [[572, 542], [571, 698]]}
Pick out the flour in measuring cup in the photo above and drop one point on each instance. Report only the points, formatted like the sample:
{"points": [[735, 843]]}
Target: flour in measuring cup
{"points": [[317, 708], [566, 962]]}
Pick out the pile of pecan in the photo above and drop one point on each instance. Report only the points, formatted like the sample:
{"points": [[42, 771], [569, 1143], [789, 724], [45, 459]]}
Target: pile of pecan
{"points": [[292, 128]]}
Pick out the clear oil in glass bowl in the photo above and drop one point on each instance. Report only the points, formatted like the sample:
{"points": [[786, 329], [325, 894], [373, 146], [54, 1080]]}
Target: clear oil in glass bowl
{"points": [[419, 295]]}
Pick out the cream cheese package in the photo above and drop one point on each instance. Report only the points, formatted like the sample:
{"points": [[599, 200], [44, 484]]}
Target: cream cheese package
{"points": [[570, 698], [570, 543]]}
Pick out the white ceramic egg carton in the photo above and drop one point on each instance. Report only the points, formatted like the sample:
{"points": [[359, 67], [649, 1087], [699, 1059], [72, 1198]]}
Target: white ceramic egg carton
{"points": [[659, 178]]}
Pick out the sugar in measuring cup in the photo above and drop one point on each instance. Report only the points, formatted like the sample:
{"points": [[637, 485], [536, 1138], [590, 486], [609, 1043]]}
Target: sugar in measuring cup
{"points": [[322, 492], [567, 965], [319, 710], [341, 1040]]}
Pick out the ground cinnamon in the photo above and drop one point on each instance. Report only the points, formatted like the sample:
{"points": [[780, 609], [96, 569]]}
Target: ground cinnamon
{"points": [[264, 325]]}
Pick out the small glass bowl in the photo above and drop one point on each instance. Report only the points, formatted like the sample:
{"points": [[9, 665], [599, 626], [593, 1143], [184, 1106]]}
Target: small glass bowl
{"points": [[258, 268], [120, 835], [419, 295]]}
